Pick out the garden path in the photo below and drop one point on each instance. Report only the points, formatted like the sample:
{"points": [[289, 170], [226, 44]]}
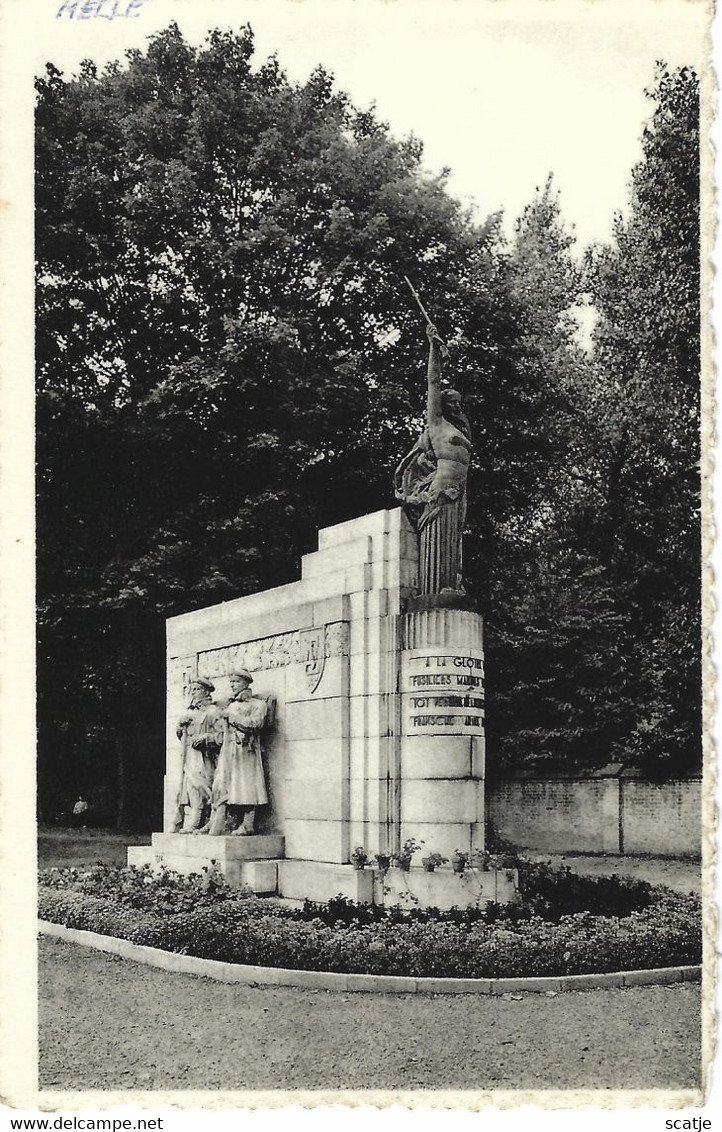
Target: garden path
{"points": [[108, 1023], [681, 874]]}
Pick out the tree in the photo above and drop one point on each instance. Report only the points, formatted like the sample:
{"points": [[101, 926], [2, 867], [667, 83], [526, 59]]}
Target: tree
{"points": [[227, 357], [647, 354], [548, 617], [228, 360], [594, 641]]}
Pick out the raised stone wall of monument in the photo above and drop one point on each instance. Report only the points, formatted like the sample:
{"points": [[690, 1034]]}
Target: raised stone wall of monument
{"points": [[371, 669], [326, 649], [376, 731]]}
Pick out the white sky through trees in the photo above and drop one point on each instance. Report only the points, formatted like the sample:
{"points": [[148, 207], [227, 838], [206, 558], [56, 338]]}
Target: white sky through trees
{"points": [[501, 91]]}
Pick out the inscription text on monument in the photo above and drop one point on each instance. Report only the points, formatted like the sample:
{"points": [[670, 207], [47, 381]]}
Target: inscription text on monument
{"points": [[443, 693]]}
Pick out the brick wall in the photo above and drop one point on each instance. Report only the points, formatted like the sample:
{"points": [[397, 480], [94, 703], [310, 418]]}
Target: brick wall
{"points": [[663, 818], [598, 815]]}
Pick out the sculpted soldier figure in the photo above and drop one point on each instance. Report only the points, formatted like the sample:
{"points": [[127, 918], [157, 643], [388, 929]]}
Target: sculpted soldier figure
{"points": [[239, 780], [431, 481], [200, 731]]}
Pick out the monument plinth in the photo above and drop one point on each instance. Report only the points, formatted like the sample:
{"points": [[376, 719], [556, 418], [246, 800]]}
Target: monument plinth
{"points": [[442, 729], [248, 860]]}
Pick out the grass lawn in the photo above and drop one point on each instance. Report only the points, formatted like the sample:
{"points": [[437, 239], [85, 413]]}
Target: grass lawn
{"points": [[59, 847]]}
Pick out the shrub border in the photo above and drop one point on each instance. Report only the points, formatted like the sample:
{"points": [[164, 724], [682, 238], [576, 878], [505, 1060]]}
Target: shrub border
{"points": [[380, 984]]}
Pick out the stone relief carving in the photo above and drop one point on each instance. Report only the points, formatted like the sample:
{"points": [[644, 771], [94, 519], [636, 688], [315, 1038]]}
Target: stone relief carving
{"points": [[313, 655], [271, 652], [188, 677]]}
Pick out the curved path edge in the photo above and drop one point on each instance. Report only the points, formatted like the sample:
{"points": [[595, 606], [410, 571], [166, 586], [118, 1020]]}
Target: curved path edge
{"points": [[380, 984]]}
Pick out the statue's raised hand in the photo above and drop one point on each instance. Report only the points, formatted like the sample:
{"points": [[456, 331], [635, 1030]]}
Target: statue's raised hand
{"points": [[434, 336]]}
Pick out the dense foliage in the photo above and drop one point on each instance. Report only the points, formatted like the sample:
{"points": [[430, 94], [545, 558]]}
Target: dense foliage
{"points": [[163, 893], [228, 360], [643, 526], [663, 929], [597, 653], [228, 357]]}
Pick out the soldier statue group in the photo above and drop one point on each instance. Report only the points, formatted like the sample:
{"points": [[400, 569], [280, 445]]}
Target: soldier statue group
{"points": [[222, 779]]}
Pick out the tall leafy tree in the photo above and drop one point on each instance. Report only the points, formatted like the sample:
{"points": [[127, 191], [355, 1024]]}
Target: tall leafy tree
{"points": [[599, 648], [227, 360], [647, 354], [227, 357], [597, 636], [546, 620]]}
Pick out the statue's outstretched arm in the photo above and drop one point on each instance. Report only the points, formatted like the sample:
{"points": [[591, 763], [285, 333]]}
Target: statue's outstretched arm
{"points": [[433, 400]]}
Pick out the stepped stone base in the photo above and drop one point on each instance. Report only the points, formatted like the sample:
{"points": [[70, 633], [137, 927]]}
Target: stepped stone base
{"points": [[441, 889], [258, 863], [317, 880], [251, 861]]}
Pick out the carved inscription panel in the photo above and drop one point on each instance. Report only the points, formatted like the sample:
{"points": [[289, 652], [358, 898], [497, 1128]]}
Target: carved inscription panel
{"points": [[442, 692]]}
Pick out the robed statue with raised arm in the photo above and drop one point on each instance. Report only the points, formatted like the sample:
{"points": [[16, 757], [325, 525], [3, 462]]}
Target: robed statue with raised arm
{"points": [[431, 481]]}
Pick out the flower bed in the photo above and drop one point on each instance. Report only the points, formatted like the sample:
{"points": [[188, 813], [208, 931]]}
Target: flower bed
{"points": [[204, 917]]}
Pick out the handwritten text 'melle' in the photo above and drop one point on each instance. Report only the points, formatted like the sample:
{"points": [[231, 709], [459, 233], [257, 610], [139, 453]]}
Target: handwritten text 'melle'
{"points": [[99, 9]]}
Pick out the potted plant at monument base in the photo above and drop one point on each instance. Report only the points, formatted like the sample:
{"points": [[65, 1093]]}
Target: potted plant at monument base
{"points": [[431, 862], [383, 862], [402, 859], [459, 861], [483, 859], [359, 857]]}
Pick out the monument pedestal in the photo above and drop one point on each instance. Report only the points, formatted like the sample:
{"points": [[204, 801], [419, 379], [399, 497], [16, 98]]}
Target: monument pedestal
{"points": [[317, 880], [379, 730], [442, 728], [251, 860], [446, 889]]}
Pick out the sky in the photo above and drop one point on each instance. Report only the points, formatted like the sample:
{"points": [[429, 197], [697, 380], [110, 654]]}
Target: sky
{"points": [[501, 91]]}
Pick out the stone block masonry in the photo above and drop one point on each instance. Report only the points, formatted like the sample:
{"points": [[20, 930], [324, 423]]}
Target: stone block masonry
{"points": [[242, 860], [442, 729], [322, 647], [379, 709]]}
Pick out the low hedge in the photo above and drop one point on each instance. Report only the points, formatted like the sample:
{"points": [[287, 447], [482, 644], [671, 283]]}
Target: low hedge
{"points": [[160, 891], [545, 890], [248, 930], [553, 891]]}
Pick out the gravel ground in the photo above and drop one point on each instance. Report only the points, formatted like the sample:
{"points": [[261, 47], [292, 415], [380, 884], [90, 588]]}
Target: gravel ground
{"points": [[108, 1023]]}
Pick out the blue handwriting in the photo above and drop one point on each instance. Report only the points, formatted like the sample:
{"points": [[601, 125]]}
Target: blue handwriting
{"points": [[99, 9]]}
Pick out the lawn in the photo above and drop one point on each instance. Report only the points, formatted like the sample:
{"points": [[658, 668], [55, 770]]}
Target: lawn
{"points": [[60, 847]]}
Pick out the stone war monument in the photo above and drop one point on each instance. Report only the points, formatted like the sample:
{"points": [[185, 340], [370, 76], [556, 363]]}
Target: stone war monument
{"points": [[342, 710]]}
